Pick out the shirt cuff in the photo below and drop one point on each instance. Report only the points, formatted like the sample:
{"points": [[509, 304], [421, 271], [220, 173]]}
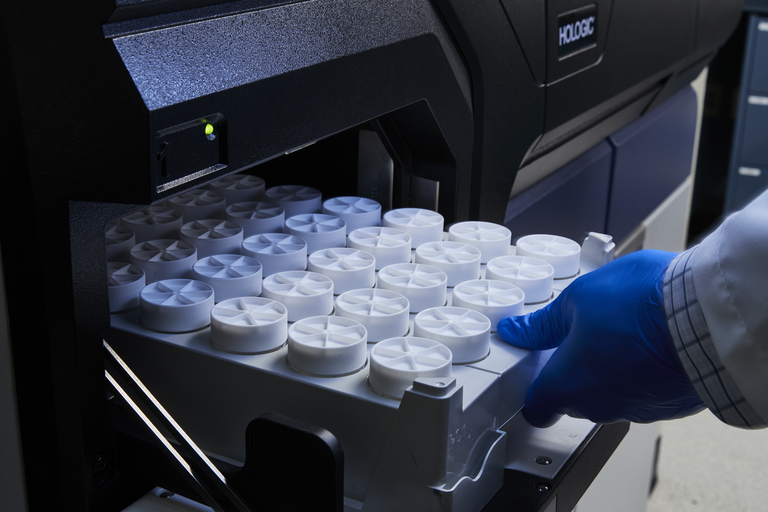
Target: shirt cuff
{"points": [[697, 351]]}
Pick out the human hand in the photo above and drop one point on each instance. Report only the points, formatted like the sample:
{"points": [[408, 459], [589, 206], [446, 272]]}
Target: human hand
{"points": [[615, 359]]}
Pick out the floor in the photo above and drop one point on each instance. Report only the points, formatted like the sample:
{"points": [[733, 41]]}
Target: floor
{"points": [[706, 466]]}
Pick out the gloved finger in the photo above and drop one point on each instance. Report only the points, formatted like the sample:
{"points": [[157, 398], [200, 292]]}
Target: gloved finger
{"points": [[541, 330], [538, 409]]}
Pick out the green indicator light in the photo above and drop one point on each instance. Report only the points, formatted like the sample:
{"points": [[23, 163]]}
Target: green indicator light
{"points": [[209, 129]]}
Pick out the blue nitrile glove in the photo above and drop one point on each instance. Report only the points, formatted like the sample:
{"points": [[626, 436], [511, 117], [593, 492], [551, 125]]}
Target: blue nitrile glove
{"points": [[615, 359]]}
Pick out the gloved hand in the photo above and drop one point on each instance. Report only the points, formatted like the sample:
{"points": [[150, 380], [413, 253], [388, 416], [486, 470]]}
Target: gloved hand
{"points": [[615, 358]]}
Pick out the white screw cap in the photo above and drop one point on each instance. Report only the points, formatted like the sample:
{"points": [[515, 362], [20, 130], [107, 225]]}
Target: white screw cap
{"points": [[423, 285], [493, 240], [249, 325], [397, 362], [560, 252], [119, 241], [154, 223], [239, 188], [349, 269], [212, 236], [256, 217], [176, 305], [164, 259], [277, 252], [230, 275], [466, 332], [199, 204], [295, 199], [384, 313], [532, 275], [387, 245], [356, 212], [423, 225], [125, 283], [459, 261], [318, 230], [304, 293], [327, 346], [495, 299]]}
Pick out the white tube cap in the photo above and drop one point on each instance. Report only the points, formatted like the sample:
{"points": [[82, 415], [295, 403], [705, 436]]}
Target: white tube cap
{"points": [[356, 212], [125, 283], [119, 241], [212, 236], [349, 269], [295, 199], [423, 285], [199, 204], [423, 225], [154, 223], [387, 245], [176, 305], [397, 362], [238, 188], [562, 253], [256, 217], [304, 293], [327, 346], [249, 325], [164, 259], [493, 240], [318, 230], [277, 252], [466, 332], [384, 313], [532, 275], [459, 261], [495, 299], [230, 275]]}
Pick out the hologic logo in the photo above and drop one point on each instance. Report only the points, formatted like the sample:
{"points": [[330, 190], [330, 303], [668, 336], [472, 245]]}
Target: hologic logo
{"points": [[577, 30]]}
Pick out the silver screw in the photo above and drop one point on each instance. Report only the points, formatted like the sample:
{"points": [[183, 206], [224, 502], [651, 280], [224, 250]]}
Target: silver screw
{"points": [[544, 461]]}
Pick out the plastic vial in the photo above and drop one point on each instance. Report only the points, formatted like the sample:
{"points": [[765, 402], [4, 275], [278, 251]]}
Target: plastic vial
{"points": [[230, 275], [387, 245], [125, 283], [560, 252], [238, 188], [327, 346], [164, 259], [493, 240], [384, 313], [154, 223], [119, 241], [318, 230], [349, 269], [466, 332], [397, 362], [356, 212], [532, 275], [277, 252], [249, 325], [459, 261], [212, 236], [495, 299], [295, 199], [423, 225], [199, 204], [423, 285], [176, 305], [256, 217], [304, 293]]}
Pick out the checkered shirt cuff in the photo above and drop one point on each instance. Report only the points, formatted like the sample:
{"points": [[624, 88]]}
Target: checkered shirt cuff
{"points": [[697, 350]]}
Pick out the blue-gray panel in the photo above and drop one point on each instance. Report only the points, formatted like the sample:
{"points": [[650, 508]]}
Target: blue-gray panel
{"points": [[754, 141], [759, 82], [652, 158], [570, 202]]}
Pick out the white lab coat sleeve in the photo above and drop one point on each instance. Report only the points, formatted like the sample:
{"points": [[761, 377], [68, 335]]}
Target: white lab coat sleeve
{"points": [[716, 300]]}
